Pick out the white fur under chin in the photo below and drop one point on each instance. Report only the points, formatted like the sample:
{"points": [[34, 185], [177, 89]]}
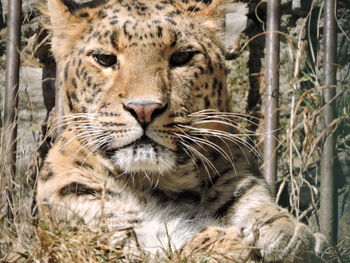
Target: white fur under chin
{"points": [[144, 159]]}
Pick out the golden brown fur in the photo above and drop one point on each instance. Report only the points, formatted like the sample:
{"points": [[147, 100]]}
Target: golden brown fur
{"points": [[148, 139]]}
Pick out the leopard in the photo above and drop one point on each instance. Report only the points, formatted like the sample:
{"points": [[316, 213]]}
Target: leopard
{"points": [[148, 141]]}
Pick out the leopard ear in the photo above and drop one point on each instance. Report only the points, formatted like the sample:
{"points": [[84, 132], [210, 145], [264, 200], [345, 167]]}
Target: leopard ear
{"points": [[225, 17], [62, 22], [208, 8], [229, 19], [61, 12]]}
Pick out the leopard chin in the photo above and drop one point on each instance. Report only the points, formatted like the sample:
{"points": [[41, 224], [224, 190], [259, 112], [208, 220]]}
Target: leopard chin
{"points": [[144, 155]]}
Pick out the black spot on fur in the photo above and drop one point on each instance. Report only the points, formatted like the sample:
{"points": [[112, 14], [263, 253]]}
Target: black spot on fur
{"points": [[78, 189], [159, 31], [104, 113], [213, 198], [206, 102], [160, 195], [88, 81], [205, 240], [113, 21], [77, 73], [70, 104], [73, 96], [216, 178], [188, 196], [220, 88], [171, 21], [193, 9], [237, 194], [89, 100], [74, 83], [114, 39], [207, 2], [159, 7], [82, 164], [66, 70], [215, 83], [178, 114], [112, 124], [255, 171], [210, 66], [74, 6], [223, 209], [47, 175], [83, 15]]}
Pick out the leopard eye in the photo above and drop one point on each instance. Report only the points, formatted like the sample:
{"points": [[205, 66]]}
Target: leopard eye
{"points": [[181, 58], [106, 60]]}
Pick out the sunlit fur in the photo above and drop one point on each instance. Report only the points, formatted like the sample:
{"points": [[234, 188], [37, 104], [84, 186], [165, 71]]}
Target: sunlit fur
{"points": [[191, 166]]}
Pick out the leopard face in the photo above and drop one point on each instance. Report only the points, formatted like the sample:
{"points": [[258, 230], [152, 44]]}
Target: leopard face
{"points": [[136, 73]]}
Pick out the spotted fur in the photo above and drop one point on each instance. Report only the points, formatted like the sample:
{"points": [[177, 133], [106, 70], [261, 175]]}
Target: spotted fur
{"points": [[148, 139]]}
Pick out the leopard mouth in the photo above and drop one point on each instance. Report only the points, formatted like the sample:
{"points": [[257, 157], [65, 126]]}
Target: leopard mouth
{"points": [[143, 155], [142, 142]]}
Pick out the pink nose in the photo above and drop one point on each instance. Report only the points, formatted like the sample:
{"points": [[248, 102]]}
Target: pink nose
{"points": [[144, 113]]}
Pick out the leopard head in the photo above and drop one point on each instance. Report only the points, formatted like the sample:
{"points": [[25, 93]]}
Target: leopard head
{"points": [[141, 79]]}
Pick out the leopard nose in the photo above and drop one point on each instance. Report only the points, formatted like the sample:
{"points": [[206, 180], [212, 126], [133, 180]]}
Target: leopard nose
{"points": [[144, 113]]}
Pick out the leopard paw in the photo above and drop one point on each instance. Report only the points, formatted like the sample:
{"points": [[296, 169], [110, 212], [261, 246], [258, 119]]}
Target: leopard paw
{"points": [[278, 236], [216, 244]]}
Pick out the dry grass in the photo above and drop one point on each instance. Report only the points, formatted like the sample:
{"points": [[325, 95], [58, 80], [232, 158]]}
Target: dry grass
{"points": [[26, 240], [66, 243]]}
